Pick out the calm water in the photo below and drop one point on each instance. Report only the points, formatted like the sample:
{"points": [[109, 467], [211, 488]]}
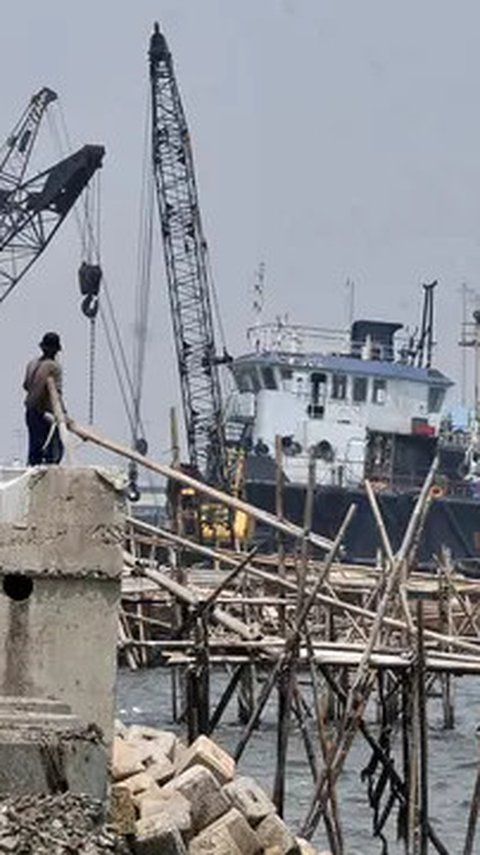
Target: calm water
{"points": [[145, 697]]}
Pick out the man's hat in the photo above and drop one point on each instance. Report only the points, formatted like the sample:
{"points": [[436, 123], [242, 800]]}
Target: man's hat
{"points": [[51, 341]]}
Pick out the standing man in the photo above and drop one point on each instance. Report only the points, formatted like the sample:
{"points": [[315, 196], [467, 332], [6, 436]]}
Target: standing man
{"points": [[44, 443]]}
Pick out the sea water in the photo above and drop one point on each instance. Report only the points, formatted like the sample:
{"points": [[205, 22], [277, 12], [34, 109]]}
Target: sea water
{"points": [[145, 697]]}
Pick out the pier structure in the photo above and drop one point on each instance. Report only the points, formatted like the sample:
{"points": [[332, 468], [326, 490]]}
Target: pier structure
{"points": [[322, 639]]}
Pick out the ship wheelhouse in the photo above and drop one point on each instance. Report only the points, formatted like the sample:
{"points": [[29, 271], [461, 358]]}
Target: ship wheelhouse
{"points": [[356, 402]]}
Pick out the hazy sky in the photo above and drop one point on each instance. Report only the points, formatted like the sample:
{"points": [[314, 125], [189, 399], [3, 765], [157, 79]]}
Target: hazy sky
{"points": [[332, 138]]}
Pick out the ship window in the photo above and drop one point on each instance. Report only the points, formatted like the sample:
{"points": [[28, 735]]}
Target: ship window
{"points": [[359, 393], [255, 381], [379, 391], [339, 387], [286, 375], [244, 381], [436, 397], [268, 378]]}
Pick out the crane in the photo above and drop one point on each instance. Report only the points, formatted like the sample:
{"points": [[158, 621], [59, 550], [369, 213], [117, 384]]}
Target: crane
{"points": [[31, 210], [15, 152], [34, 210], [185, 253]]}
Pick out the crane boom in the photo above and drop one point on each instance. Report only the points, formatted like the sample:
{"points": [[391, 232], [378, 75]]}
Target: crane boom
{"points": [[185, 252], [32, 213], [15, 152]]}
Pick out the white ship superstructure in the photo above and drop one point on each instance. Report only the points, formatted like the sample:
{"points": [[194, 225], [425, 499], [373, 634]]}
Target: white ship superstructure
{"points": [[357, 400]]}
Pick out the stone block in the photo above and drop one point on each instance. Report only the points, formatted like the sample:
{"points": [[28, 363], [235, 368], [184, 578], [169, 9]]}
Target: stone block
{"points": [[229, 835], [205, 752], [273, 833], [121, 812], [248, 797], [176, 807], [157, 835], [202, 790], [126, 760]]}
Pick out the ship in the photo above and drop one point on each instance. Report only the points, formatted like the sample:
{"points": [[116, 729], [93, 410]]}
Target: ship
{"points": [[366, 403]]}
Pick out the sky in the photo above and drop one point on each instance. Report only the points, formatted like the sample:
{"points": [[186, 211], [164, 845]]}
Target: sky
{"points": [[333, 139]]}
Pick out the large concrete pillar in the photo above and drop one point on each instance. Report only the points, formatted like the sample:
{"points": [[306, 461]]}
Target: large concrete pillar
{"points": [[60, 567]]}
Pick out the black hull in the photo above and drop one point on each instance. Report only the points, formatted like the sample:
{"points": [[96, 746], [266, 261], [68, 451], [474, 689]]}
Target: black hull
{"points": [[451, 522]]}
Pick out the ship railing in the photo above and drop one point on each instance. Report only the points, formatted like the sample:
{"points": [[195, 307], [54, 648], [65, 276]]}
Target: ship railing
{"points": [[284, 337]]}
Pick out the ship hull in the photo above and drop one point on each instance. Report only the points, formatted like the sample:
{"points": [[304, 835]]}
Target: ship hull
{"points": [[451, 523]]}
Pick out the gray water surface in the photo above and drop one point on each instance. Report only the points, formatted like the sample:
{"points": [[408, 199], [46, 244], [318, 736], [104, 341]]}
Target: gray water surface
{"points": [[145, 697]]}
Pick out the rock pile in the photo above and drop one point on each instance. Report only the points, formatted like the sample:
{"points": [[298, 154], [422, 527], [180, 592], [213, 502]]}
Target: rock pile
{"points": [[63, 824], [173, 800]]}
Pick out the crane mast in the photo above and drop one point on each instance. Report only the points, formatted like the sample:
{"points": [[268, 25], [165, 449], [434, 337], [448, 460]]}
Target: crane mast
{"points": [[185, 252]]}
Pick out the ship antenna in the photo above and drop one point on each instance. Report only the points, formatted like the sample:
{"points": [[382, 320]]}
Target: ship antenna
{"points": [[258, 301]]}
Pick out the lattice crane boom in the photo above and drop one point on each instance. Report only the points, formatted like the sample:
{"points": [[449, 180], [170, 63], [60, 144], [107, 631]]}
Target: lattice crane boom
{"points": [[185, 252], [16, 150], [32, 213]]}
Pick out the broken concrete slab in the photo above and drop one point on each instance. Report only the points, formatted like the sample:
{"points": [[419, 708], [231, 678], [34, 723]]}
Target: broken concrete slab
{"points": [[229, 835], [162, 771], [175, 806], [272, 832], [205, 752], [158, 834], [202, 790], [248, 797], [126, 760]]}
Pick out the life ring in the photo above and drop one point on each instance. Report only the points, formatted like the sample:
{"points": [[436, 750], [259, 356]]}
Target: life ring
{"points": [[436, 492]]}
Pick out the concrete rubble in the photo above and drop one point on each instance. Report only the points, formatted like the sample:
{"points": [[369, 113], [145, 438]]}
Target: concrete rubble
{"points": [[173, 800], [61, 824]]}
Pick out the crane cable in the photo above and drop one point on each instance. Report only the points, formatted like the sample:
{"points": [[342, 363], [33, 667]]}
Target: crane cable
{"points": [[107, 316], [143, 289]]}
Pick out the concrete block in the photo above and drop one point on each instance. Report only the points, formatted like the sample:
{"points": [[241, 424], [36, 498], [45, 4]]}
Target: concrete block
{"points": [[43, 746], [176, 807], [151, 792], [62, 539], [179, 754], [162, 771], [248, 797], [164, 745], [205, 752], [157, 835], [229, 835], [119, 728], [273, 833], [306, 848], [121, 811], [202, 790], [139, 783], [126, 760], [142, 731]]}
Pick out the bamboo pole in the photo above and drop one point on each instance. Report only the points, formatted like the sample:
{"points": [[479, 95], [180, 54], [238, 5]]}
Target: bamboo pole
{"points": [[231, 502], [361, 684]]}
